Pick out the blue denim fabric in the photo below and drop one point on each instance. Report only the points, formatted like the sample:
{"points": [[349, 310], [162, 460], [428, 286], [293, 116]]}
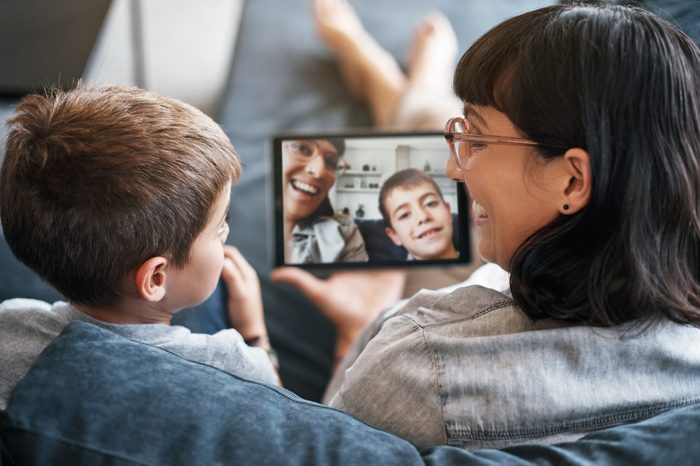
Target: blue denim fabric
{"points": [[97, 398]]}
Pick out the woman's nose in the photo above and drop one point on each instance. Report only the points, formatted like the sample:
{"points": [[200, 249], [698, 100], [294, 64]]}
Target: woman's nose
{"points": [[452, 171], [316, 165]]}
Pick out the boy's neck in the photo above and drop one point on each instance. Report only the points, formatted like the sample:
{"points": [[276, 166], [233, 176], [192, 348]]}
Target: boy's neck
{"points": [[127, 312]]}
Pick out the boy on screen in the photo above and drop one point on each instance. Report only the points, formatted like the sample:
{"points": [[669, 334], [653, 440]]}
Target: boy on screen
{"points": [[417, 216]]}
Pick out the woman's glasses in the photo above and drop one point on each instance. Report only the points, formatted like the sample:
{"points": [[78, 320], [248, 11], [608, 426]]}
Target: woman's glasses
{"points": [[463, 143], [304, 151]]}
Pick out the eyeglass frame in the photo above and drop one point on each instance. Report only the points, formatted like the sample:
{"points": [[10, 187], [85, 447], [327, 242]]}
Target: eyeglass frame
{"points": [[451, 136], [342, 166]]}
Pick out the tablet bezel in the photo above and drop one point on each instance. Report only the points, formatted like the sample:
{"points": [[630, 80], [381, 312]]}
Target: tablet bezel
{"points": [[463, 210]]}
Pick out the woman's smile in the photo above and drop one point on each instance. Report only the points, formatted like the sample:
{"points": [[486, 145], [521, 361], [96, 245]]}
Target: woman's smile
{"points": [[306, 176], [304, 188]]}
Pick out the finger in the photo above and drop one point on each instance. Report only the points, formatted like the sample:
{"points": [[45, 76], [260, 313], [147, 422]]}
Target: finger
{"points": [[232, 276], [228, 250], [240, 262], [303, 280]]}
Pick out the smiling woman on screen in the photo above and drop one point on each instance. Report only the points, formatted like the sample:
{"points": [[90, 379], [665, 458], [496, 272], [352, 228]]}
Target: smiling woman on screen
{"points": [[313, 233]]}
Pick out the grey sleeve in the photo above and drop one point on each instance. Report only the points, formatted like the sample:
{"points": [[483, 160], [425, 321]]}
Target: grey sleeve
{"points": [[227, 351], [424, 298], [369, 332], [246, 361], [393, 385]]}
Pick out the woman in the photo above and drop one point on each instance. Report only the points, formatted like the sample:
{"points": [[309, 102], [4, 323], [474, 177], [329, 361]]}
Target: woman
{"points": [[580, 146], [313, 233]]}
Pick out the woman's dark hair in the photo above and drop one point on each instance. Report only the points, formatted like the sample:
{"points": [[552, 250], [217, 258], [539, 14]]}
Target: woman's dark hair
{"points": [[625, 86], [338, 143]]}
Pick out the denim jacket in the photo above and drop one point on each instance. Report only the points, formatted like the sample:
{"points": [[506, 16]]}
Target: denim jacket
{"points": [[469, 368]]}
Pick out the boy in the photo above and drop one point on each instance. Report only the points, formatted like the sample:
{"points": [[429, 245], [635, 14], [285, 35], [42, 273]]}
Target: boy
{"points": [[118, 198], [417, 216]]}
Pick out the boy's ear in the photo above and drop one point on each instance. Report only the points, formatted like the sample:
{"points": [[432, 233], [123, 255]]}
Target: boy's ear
{"points": [[393, 236], [577, 189], [150, 279]]}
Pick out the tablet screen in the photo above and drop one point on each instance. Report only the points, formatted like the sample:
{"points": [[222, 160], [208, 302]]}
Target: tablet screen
{"points": [[373, 199]]}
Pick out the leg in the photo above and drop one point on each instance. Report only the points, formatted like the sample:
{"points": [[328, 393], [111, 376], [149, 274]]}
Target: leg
{"points": [[371, 73], [428, 101], [432, 55]]}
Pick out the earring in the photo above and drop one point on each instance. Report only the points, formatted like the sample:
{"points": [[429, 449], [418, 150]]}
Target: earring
{"points": [[566, 206]]}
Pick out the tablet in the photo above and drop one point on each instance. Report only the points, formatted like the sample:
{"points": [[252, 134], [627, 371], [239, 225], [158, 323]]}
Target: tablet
{"points": [[359, 200]]}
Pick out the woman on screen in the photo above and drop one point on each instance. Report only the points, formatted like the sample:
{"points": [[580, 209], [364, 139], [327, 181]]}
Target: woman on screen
{"points": [[313, 232]]}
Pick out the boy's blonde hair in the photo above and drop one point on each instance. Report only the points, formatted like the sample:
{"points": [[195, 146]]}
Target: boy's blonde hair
{"points": [[96, 180]]}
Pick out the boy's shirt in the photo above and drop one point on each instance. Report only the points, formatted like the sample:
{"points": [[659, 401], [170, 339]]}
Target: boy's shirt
{"points": [[27, 326]]}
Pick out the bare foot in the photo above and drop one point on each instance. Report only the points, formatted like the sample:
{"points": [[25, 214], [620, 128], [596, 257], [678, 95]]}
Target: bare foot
{"points": [[337, 22], [370, 72], [432, 54]]}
